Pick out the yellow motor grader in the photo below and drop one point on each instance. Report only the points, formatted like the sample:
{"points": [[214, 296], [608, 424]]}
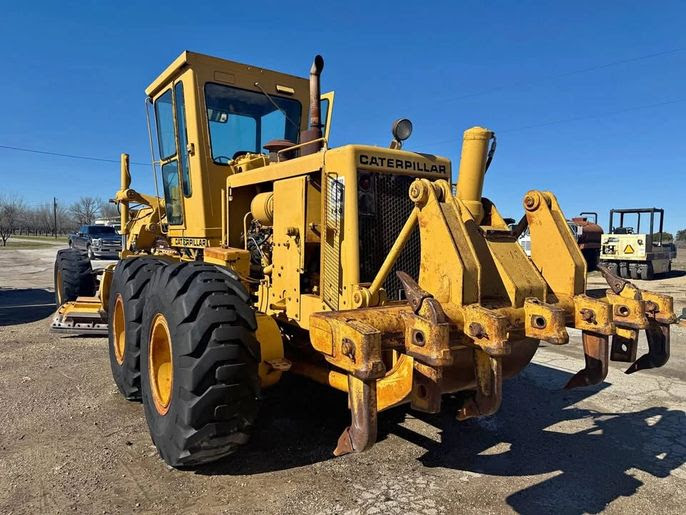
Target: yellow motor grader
{"points": [[359, 267]]}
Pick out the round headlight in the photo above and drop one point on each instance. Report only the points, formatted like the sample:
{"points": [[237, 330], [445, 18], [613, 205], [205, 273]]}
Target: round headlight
{"points": [[402, 129]]}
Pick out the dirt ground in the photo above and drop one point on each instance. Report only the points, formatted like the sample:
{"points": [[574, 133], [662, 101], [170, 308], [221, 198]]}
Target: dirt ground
{"points": [[69, 442]]}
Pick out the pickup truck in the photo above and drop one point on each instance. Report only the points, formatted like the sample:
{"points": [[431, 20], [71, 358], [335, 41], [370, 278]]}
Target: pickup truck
{"points": [[99, 241]]}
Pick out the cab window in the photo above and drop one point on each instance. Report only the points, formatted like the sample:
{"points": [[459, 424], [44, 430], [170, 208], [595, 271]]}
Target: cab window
{"points": [[172, 192], [243, 121], [165, 125]]}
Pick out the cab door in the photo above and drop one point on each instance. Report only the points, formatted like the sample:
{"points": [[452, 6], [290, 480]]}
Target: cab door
{"points": [[172, 140]]}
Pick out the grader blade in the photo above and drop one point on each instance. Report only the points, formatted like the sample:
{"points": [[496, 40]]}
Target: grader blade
{"points": [[84, 315]]}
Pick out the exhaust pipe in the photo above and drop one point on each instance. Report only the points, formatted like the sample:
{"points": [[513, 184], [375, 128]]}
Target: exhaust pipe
{"points": [[316, 93], [314, 132]]}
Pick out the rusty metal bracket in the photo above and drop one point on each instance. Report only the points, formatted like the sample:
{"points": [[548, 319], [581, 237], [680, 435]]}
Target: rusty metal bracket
{"points": [[487, 329], [593, 315], [627, 312], [596, 351], [426, 388], [427, 341], [348, 343], [545, 322], [660, 307], [615, 282], [413, 292], [618, 285], [427, 330]]}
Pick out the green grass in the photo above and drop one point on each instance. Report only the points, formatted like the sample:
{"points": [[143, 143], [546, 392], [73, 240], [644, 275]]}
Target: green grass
{"points": [[13, 244], [60, 238]]}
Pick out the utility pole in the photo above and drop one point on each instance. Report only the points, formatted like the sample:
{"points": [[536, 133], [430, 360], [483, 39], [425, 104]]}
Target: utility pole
{"points": [[54, 216]]}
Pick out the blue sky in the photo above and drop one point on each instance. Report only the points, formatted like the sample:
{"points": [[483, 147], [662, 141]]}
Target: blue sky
{"points": [[74, 74]]}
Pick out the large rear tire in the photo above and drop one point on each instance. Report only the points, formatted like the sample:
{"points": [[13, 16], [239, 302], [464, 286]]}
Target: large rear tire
{"points": [[127, 298], [647, 273], [633, 271], [198, 363], [73, 276]]}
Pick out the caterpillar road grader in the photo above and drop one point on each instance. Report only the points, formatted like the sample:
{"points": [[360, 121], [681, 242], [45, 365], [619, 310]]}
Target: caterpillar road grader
{"points": [[267, 252]]}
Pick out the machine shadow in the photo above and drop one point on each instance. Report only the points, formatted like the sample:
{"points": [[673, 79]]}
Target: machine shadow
{"points": [[21, 306], [592, 466], [673, 274], [300, 422]]}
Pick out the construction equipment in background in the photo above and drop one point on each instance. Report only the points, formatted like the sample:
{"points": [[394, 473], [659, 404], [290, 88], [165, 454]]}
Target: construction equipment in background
{"points": [[588, 234], [630, 253], [357, 267]]}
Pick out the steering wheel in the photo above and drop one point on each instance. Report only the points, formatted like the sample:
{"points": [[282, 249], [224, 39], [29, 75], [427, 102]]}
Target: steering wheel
{"points": [[236, 155]]}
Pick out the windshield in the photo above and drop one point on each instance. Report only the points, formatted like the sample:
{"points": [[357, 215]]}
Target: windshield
{"points": [[244, 121], [101, 229]]}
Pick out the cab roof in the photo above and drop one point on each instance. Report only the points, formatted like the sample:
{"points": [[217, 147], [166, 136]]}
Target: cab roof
{"points": [[194, 60]]}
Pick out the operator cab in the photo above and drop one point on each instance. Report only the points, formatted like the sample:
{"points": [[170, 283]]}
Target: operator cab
{"points": [[209, 112]]}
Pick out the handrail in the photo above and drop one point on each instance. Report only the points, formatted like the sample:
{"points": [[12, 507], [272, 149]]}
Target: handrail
{"points": [[288, 149]]}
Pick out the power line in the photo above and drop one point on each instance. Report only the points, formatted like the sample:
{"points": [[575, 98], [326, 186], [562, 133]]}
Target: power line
{"points": [[591, 116], [71, 156], [450, 99], [571, 119], [562, 75]]}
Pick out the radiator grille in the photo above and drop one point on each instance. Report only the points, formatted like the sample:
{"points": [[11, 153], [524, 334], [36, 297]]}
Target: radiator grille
{"points": [[331, 284], [384, 206]]}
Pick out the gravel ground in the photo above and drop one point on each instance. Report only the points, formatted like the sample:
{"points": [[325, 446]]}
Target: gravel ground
{"points": [[69, 442]]}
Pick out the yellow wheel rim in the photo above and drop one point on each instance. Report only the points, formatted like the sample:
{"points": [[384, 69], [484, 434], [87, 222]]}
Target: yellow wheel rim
{"points": [[160, 364], [58, 286], [119, 329]]}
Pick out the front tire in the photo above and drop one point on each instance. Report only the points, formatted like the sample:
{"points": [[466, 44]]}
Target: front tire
{"points": [[199, 363], [73, 276], [127, 298]]}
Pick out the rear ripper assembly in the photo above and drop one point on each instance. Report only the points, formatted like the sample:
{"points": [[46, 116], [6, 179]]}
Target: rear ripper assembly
{"points": [[479, 307]]}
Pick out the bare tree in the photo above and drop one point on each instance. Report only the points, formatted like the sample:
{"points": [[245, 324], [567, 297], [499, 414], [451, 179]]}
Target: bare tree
{"points": [[85, 210], [12, 211], [65, 222], [43, 218], [108, 210]]}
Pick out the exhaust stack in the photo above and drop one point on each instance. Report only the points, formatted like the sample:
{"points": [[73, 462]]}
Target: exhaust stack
{"points": [[314, 132]]}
